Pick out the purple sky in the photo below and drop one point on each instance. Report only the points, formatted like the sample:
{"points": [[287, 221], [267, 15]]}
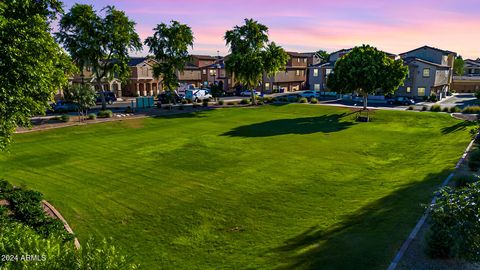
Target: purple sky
{"points": [[307, 25]]}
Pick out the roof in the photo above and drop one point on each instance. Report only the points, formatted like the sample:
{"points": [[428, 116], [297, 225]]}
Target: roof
{"points": [[220, 64], [136, 60], [327, 64], [466, 78], [431, 48], [411, 59], [190, 66], [204, 57], [297, 54], [472, 62]]}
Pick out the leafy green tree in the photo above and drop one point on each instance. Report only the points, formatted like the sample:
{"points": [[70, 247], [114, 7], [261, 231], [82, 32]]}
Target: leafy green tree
{"points": [[169, 46], [459, 66], [102, 43], [216, 90], [366, 70], [252, 55], [323, 55], [83, 95], [32, 66]]}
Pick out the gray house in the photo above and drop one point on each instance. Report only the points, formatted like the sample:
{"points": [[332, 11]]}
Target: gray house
{"points": [[430, 72], [317, 73]]}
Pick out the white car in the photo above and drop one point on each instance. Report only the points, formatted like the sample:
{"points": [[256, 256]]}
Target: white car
{"points": [[248, 93], [309, 94]]}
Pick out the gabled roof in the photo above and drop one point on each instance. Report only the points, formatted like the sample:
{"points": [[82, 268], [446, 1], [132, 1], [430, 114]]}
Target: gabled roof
{"points": [[408, 60], [326, 64], [472, 62], [430, 48], [297, 54], [204, 57], [136, 60]]}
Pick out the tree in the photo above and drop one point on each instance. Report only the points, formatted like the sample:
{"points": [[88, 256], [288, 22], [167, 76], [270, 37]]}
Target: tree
{"points": [[32, 66], [102, 43], [83, 96], [169, 46], [216, 89], [252, 55], [323, 56], [366, 70], [459, 66]]}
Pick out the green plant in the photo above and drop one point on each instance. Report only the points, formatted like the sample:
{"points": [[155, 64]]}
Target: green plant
{"points": [[221, 102], [463, 180], [474, 160], [471, 110], [245, 101], [433, 98], [65, 118], [268, 99], [455, 109], [303, 100], [105, 114], [314, 101], [435, 108], [454, 224], [92, 116], [446, 109]]}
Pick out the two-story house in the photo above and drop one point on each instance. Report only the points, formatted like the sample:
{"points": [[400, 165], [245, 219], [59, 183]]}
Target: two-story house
{"points": [[318, 73], [430, 72], [293, 78], [469, 82], [142, 81]]}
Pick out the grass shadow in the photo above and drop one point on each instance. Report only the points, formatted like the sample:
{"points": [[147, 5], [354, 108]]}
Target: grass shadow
{"points": [[366, 239], [307, 125], [458, 127]]}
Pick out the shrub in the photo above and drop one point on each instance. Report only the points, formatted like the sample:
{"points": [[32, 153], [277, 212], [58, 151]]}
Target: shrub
{"points": [[455, 109], [231, 103], [105, 114], [471, 110], [268, 99], [477, 94], [245, 101], [474, 160], [221, 102], [464, 180], [433, 98], [65, 118], [455, 227], [410, 108], [424, 108], [435, 108], [314, 101], [302, 100], [446, 109], [205, 102], [92, 116]]}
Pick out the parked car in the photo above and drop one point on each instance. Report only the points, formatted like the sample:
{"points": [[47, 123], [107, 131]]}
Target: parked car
{"points": [[63, 107], [401, 101], [248, 93], [110, 97], [198, 94], [309, 94], [167, 97]]}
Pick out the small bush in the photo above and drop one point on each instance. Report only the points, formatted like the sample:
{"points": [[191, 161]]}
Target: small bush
{"points": [[92, 116], [205, 102], [314, 101], [474, 160], [446, 109], [231, 103], [471, 110], [221, 102], [435, 108], [454, 227], [302, 100], [245, 101], [105, 114], [268, 99], [65, 118], [410, 108], [455, 109], [424, 108], [433, 98]]}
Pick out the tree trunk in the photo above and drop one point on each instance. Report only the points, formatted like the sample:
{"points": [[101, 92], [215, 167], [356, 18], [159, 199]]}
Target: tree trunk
{"points": [[102, 95], [365, 101], [254, 100]]}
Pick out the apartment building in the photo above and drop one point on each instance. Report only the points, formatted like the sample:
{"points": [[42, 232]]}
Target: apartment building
{"points": [[142, 81], [469, 82], [293, 78], [430, 72]]}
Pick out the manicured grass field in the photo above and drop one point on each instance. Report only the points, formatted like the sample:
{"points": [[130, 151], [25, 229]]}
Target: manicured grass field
{"points": [[275, 187]]}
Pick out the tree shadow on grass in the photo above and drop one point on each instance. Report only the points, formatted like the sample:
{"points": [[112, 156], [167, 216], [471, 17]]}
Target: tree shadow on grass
{"points": [[367, 239], [308, 125], [458, 127]]}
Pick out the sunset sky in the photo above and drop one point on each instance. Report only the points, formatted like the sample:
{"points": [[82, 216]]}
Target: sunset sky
{"points": [[305, 25]]}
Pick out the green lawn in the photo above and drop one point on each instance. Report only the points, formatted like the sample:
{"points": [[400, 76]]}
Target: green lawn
{"points": [[275, 187]]}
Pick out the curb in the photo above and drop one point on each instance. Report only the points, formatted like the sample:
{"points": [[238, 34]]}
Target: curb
{"points": [[60, 217], [422, 220]]}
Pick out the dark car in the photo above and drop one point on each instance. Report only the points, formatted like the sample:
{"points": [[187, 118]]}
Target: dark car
{"points": [[168, 97], [110, 97], [401, 101], [63, 107]]}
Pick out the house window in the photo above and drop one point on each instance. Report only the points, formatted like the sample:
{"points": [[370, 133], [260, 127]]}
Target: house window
{"points": [[426, 72], [302, 72], [204, 71], [421, 91], [316, 87], [315, 72], [409, 90], [267, 85], [212, 72], [297, 72], [328, 71], [298, 60], [304, 60]]}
